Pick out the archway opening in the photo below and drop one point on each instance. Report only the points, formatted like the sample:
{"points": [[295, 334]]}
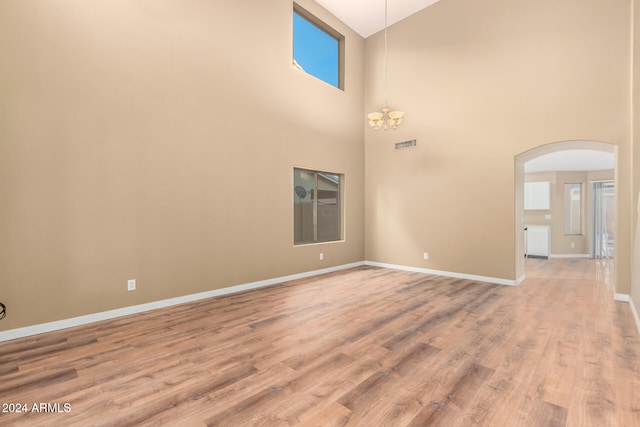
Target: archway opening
{"points": [[565, 203]]}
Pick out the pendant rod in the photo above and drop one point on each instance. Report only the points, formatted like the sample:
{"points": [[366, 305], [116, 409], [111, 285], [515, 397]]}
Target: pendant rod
{"points": [[385, 52]]}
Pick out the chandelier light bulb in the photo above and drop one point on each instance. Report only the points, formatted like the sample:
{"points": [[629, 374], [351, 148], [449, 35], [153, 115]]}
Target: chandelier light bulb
{"points": [[386, 119]]}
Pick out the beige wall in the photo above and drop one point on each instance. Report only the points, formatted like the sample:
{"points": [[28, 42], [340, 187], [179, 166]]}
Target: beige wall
{"points": [[156, 141], [560, 242], [635, 158], [482, 82], [134, 137]]}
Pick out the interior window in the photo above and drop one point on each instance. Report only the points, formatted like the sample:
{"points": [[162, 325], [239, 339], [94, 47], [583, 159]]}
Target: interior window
{"points": [[573, 209], [316, 206], [317, 48]]}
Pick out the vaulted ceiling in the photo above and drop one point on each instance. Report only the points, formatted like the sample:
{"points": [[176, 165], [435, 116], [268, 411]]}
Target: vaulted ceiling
{"points": [[366, 17]]}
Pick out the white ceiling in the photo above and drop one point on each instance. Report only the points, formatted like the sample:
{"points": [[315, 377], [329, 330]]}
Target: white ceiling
{"points": [[571, 160], [366, 17]]}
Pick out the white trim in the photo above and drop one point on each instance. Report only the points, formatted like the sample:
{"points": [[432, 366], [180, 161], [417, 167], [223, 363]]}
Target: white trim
{"points": [[446, 273], [126, 311], [635, 313], [621, 297], [569, 256]]}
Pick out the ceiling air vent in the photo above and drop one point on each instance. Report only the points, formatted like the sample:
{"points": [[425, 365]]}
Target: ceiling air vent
{"points": [[406, 144]]}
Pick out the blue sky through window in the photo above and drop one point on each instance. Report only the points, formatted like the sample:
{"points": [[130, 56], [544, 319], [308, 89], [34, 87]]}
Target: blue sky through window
{"points": [[315, 50]]}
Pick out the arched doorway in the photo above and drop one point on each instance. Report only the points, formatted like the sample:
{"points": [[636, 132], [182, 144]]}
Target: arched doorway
{"points": [[584, 238]]}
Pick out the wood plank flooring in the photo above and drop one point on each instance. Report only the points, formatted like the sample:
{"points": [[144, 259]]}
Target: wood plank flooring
{"points": [[362, 347]]}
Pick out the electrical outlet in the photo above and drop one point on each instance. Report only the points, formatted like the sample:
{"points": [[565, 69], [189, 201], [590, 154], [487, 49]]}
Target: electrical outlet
{"points": [[321, 256], [573, 245], [131, 284], [426, 255]]}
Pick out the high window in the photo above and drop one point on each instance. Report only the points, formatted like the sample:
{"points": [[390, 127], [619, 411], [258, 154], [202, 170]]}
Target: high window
{"points": [[317, 48], [316, 206]]}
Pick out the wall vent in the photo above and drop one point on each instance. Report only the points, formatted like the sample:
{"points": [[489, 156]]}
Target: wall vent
{"points": [[406, 144]]}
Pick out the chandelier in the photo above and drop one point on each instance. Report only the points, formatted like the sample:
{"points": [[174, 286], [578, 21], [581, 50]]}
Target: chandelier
{"points": [[385, 119]]}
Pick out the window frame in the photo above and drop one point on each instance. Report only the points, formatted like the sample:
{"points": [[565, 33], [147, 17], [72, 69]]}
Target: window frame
{"points": [[314, 194], [327, 29], [569, 214]]}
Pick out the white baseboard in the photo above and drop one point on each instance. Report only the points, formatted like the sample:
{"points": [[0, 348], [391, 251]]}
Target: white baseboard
{"points": [[621, 297], [635, 313], [447, 273], [569, 256], [112, 314]]}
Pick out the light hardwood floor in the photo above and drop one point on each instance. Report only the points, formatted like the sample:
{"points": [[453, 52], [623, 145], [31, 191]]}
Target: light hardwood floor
{"points": [[366, 347]]}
